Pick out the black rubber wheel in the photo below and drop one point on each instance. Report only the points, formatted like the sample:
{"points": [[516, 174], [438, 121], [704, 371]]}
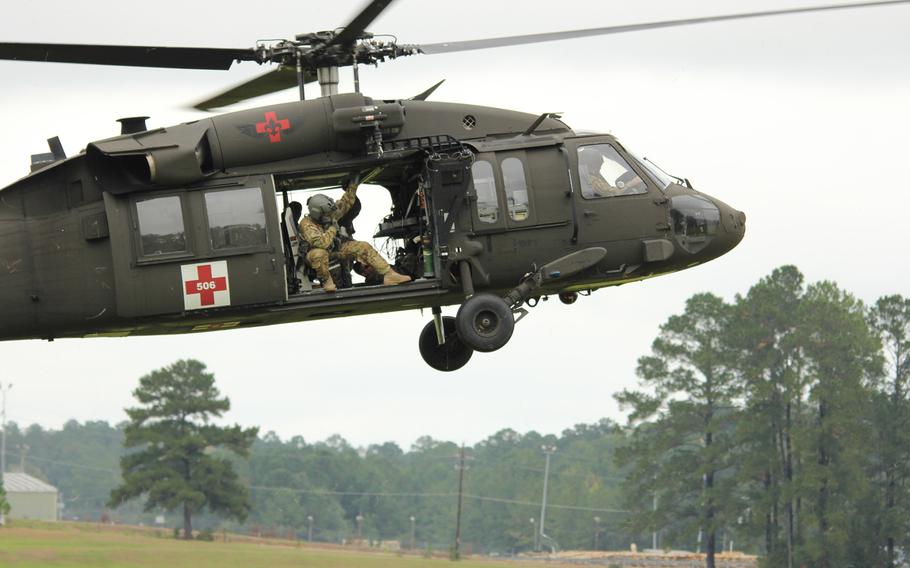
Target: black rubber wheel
{"points": [[485, 322], [450, 356]]}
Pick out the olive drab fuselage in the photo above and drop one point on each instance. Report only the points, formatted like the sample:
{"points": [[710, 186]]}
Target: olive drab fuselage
{"points": [[182, 229]]}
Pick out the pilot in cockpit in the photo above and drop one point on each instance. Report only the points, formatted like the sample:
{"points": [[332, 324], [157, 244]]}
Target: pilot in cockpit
{"points": [[592, 165]]}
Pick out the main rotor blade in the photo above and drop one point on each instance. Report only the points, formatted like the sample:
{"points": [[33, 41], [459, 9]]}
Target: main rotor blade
{"points": [[366, 16], [432, 48], [131, 55], [273, 81]]}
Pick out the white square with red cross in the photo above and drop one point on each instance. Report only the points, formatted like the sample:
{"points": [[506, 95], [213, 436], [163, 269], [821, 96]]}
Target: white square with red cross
{"points": [[206, 285]]}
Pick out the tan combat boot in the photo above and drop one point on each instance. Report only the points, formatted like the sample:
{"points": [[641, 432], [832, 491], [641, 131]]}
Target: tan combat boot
{"points": [[392, 277], [327, 283]]}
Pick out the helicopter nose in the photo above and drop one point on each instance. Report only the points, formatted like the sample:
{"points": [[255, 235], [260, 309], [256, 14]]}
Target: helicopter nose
{"points": [[734, 226]]}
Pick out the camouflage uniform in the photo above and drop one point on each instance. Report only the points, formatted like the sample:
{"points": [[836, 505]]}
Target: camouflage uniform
{"points": [[602, 187], [323, 242]]}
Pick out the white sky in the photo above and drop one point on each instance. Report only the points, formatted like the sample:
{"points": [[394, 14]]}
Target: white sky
{"points": [[800, 121]]}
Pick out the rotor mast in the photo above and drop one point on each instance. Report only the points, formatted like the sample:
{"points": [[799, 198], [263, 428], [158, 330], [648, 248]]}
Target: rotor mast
{"points": [[328, 80]]}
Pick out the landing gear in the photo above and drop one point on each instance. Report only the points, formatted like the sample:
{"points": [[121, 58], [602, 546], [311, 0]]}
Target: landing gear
{"points": [[568, 298], [485, 322], [451, 355]]}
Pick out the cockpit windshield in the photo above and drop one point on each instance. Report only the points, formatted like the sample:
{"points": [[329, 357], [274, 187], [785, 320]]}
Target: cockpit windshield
{"points": [[605, 173], [659, 176]]}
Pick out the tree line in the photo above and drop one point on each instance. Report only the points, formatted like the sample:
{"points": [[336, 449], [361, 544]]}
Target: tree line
{"points": [[781, 417], [288, 481], [777, 420]]}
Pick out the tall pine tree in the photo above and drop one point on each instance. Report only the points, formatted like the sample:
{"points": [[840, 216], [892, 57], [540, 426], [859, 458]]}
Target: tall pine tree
{"points": [[765, 332], [175, 462], [890, 318], [685, 453], [843, 357]]}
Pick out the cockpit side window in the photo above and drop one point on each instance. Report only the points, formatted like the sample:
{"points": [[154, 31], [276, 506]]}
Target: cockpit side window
{"points": [[513, 177], [604, 173], [485, 188]]}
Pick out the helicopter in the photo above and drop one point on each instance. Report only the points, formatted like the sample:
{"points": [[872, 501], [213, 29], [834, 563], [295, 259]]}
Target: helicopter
{"points": [[174, 230]]}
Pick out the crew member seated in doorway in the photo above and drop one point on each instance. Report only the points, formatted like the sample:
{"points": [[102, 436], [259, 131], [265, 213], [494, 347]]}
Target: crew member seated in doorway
{"points": [[321, 230]]}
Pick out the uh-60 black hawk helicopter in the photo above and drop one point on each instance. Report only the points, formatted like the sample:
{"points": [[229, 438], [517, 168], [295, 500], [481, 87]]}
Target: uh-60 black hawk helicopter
{"points": [[192, 228]]}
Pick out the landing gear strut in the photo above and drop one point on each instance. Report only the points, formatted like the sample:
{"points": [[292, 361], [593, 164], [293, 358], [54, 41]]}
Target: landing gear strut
{"points": [[485, 322], [451, 355]]}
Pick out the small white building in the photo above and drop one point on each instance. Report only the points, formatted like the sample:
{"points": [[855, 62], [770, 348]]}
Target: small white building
{"points": [[30, 498]]}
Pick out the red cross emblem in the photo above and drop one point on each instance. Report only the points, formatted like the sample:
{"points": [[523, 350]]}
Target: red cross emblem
{"points": [[273, 126], [206, 285]]}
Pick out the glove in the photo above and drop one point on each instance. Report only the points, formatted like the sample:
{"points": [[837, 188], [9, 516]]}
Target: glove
{"points": [[353, 181]]}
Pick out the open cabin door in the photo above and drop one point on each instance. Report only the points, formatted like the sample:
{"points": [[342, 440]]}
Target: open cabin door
{"points": [[212, 247]]}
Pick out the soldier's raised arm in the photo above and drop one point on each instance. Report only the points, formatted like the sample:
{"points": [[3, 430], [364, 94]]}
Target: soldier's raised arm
{"points": [[347, 200]]}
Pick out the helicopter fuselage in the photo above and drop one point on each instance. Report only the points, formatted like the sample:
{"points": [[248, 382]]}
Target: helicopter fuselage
{"points": [[183, 229]]}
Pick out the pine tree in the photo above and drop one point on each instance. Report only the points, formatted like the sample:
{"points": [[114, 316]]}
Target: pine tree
{"points": [[766, 333], [690, 395], [890, 318], [843, 357], [177, 458]]}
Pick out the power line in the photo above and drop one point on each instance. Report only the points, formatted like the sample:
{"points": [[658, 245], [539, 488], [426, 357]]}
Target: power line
{"points": [[70, 464], [549, 505], [472, 496], [349, 493], [391, 494]]}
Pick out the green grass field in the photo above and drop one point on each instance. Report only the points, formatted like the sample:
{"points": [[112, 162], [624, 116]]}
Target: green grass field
{"points": [[34, 545]]}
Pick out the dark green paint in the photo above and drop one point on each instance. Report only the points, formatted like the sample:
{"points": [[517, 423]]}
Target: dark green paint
{"points": [[69, 254]]}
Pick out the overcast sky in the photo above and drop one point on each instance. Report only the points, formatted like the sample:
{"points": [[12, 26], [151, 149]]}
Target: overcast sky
{"points": [[800, 121]]}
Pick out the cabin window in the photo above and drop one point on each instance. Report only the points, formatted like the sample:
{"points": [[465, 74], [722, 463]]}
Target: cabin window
{"points": [[604, 173], [513, 177], [485, 188], [161, 228], [236, 218]]}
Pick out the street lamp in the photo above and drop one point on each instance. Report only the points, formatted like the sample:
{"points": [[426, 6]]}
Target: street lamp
{"points": [[548, 450], [596, 533], [309, 531], [3, 391], [359, 519], [413, 532], [533, 533]]}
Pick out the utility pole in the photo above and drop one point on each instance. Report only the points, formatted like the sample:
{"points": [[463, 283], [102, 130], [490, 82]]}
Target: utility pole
{"points": [[461, 467], [654, 534], [548, 451], [23, 451], [3, 391]]}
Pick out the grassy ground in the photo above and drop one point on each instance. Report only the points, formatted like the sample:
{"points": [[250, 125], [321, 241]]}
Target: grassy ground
{"points": [[35, 545]]}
